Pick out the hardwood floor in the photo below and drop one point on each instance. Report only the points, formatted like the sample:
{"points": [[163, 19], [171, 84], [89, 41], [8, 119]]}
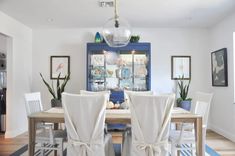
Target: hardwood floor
{"points": [[220, 144], [8, 146]]}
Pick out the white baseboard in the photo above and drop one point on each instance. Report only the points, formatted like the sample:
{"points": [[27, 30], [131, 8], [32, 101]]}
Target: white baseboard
{"points": [[12, 134], [222, 132]]}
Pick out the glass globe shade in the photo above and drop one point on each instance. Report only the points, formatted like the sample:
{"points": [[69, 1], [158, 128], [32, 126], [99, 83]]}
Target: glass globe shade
{"points": [[117, 36]]}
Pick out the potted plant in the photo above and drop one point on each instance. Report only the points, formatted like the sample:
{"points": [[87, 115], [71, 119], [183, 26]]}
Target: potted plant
{"points": [[183, 101], [56, 101], [134, 38]]}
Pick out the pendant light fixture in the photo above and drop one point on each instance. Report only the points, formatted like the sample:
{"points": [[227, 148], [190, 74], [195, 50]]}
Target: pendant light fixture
{"points": [[116, 31]]}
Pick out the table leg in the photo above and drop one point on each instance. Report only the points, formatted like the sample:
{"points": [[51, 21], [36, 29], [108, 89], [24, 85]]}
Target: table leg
{"points": [[56, 127], [198, 132], [31, 131]]}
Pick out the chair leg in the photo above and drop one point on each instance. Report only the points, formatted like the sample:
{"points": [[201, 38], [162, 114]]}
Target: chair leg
{"points": [[203, 141], [191, 151], [42, 150], [173, 149], [61, 148], [178, 153]]}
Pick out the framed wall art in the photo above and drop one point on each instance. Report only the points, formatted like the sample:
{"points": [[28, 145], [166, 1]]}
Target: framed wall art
{"points": [[180, 67], [219, 68], [59, 65]]}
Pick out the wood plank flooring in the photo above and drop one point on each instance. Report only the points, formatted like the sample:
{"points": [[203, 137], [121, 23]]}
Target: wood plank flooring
{"points": [[220, 144], [8, 146]]}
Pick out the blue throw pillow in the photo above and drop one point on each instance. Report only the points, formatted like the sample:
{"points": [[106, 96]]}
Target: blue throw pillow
{"points": [[117, 96]]}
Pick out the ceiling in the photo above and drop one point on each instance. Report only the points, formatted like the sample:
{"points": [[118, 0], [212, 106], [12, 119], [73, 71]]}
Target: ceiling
{"points": [[139, 13]]}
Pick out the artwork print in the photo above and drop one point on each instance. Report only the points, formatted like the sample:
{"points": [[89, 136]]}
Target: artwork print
{"points": [[219, 67], [180, 67], [59, 65]]}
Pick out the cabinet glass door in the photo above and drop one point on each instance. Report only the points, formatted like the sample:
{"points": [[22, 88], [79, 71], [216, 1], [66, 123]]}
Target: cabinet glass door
{"points": [[111, 67], [140, 62], [118, 68], [97, 72]]}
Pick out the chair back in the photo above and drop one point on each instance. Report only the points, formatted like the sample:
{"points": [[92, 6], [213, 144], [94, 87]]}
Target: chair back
{"points": [[150, 119], [127, 94], [33, 102], [84, 119], [106, 93], [202, 105]]}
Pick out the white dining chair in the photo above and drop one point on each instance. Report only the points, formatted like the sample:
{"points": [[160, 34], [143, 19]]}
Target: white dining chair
{"points": [[150, 125], [184, 139], [84, 119], [127, 94], [46, 137]]}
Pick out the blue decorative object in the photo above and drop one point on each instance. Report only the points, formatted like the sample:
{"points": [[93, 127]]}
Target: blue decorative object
{"points": [[117, 96], [125, 73], [98, 38], [98, 72], [185, 105]]}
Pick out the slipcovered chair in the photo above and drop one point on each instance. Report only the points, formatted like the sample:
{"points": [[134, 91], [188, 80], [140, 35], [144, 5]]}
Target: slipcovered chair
{"points": [[84, 119], [184, 139], [150, 123], [127, 94], [46, 137], [106, 93]]}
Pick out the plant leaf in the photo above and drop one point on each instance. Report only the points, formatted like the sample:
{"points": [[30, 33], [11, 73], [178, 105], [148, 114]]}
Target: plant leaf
{"points": [[58, 87], [67, 77], [48, 87], [183, 88]]}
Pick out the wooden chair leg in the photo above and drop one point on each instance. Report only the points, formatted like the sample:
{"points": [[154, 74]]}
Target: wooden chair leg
{"points": [[55, 152], [178, 152]]}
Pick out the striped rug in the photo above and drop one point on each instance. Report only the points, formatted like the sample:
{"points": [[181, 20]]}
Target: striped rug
{"points": [[209, 152], [117, 147], [23, 151]]}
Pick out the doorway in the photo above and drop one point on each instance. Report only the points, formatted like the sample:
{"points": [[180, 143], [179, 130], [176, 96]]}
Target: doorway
{"points": [[3, 81]]}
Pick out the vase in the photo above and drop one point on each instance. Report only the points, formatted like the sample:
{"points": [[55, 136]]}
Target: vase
{"points": [[185, 105], [56, 103], [98, 38]]}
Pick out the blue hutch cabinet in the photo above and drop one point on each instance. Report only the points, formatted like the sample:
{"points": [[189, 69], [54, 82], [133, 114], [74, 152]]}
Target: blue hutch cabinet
{"points": [[119, 68]]}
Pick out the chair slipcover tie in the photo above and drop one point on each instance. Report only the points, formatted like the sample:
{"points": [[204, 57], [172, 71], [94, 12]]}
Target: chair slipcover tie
{"points": [[155, 147], [152, 148], [86, 147]]}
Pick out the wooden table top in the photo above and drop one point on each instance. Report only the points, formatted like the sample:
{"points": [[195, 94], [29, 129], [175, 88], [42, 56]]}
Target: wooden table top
{"points": [[57, 115]]}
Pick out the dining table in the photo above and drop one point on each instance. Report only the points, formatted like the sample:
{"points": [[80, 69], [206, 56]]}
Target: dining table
{"points": [[113, 116]]}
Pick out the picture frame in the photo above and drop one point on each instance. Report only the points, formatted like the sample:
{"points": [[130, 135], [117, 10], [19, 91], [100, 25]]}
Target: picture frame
{"points": [[180, 67], [59, 65], [219, 68]]}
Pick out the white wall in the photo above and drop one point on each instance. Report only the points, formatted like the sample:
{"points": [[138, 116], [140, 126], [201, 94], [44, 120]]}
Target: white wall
{"points": [[164, 42], [19, 72], [222, 119]]}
